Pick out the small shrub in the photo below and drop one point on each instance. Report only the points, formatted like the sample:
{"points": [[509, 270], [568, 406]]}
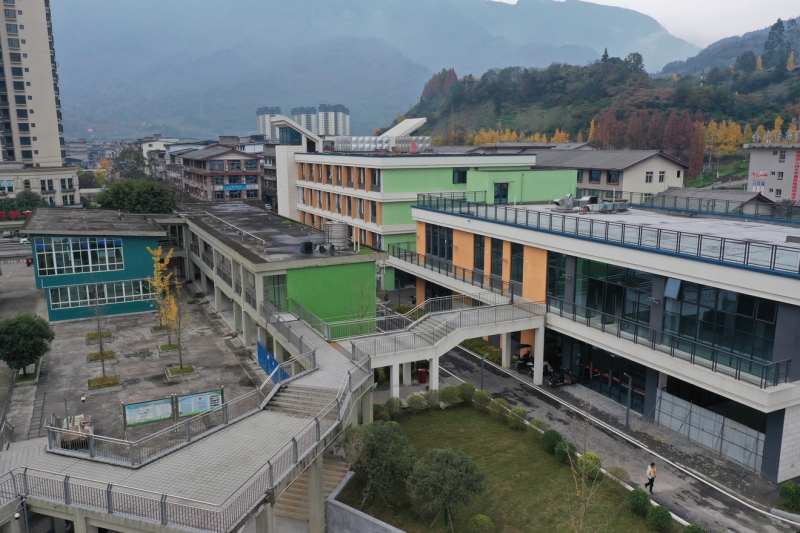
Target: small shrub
{"points": [[539, 424], [432, 397], [499, 408], [565, 453], [450, 396], [92, 336], [480, 523], [380, 412], [550, 440], [496, 358], [102, 382], [393, 405], [590, 465], [659, 519], [639, 501], [466, 390], [619, 473], [482, 399], [416, 404], [694, 528], [178, 371], [517, 417], [107, 354], [170, 347], [355, 438], [790, 494]]}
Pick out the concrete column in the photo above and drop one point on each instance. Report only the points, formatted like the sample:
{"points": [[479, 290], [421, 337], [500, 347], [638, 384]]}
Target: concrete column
{"points": [[262, 336], [59, 525], [203, 282], [433, 371], [265, 520], [237, 317], [538, 356], [80, 524], [406, 373], [247, 329], [16, 526], [366, 407], [505, 341], [316, 497], [219, 304], [395, 377]]}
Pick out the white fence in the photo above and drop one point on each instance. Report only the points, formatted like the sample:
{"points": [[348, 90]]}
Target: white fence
{"points": [[730, 439]]}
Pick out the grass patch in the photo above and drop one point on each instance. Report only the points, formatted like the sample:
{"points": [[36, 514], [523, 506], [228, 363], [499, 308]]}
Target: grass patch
{"points": [[178, 371], [169, 347], [159, 328], [107, 354], [22, 378], [482, 347], [102, 382], [93, 335], [527, 489], [287, 222]]}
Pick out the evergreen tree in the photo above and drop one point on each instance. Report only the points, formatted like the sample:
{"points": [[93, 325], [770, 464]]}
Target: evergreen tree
{"points": [[776, 49], [604, 57], [746, 62]]}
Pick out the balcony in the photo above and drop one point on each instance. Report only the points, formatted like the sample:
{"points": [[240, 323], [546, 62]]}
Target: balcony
{"points": [[250, 296], [225, 275], [208, 259], [762, 374], [237, 287]]}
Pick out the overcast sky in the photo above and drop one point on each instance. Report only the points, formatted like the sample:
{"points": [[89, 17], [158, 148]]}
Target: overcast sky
{"points": [[704, 21]]}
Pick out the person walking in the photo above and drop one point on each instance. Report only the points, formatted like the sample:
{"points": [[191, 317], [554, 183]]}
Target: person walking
{"points": [[651, 476]]}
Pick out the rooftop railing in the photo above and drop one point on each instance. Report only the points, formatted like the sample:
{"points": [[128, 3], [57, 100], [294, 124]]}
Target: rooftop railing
{"points": [[692, 245], [741, 368], [405, 252], [716, 207]]}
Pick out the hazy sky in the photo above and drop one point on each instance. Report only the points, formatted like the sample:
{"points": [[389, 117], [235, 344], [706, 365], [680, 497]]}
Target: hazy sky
{"points": [[702, 22]]}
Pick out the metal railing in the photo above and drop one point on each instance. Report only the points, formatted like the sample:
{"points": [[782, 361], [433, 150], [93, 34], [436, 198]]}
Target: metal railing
{"points": [[149, 448], [168, 510], [449, 322], [208, 259], [740, 368], [6, 428], [237, 287], [250, 297], [405, 252], [705, 247], [715, 206]]}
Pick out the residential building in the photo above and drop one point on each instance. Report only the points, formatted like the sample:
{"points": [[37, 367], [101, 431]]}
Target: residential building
{"points": [[682, 312], [333, 120], [220, 173], [602, 172], [306, 117], [77, 153], [58, 186], [264, 121], [774, 170], [30, 101]]}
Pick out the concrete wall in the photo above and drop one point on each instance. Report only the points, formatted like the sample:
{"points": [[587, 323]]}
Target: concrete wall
{"points": [[789, 465], [767, 161], [342, 518]]}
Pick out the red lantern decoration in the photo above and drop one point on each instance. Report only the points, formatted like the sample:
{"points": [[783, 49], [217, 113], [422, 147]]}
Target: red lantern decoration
{"points": [[14, 215], [2, 215]]}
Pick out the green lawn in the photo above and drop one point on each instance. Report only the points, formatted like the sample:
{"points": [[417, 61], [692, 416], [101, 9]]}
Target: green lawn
{"points": [[527, 490]]}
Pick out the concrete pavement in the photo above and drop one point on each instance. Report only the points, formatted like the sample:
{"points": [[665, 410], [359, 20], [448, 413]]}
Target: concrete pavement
{"points": [[682, 493]]}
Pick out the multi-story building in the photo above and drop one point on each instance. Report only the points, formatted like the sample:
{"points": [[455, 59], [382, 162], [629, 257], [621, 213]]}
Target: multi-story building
{"points": [[307, 118], [264, 119], [30, 105], [685, 314], [220, 173], [77, 153], [58, 186], [602, 172], [774, 170], [333, 120]]}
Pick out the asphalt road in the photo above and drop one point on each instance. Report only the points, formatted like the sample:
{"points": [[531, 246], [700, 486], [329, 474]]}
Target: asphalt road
{"points": [[682, 493]]}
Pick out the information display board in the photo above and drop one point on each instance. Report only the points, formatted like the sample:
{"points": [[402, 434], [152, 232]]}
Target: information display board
{"points": [[147, 412], [195, 404]]}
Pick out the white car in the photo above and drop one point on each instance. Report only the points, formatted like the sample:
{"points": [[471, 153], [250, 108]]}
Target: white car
{"points": [[24, 240]]}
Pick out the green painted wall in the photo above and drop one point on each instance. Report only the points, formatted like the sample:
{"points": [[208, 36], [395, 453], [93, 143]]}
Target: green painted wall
{"points": [[400, 237], [388, 279], [397, 213], [336, 291], [526, 185], [420, 180]]}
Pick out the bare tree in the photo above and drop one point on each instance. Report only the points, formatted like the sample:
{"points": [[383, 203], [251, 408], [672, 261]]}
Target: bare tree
{"points": [[177, 322], [98, 316]]}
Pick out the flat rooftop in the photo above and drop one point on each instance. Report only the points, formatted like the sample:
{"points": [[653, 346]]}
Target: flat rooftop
{"points": [[259, 235], [69, 221]]}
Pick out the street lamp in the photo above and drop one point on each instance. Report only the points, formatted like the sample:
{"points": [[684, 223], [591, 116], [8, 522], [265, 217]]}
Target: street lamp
{"points": [[66, 412], [628, 410], [24, 513]]}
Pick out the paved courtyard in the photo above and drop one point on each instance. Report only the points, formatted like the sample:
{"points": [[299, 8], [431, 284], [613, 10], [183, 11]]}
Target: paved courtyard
{"points": [[209, 345]]}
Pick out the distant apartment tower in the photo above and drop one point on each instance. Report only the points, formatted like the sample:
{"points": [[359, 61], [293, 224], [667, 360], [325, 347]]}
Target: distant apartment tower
{"points": [[306, 117], [30, 106], [264, 116], [333, 120]]}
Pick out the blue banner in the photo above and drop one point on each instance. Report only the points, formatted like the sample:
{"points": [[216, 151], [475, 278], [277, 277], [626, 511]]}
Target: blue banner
{"points": [[234, 187], [269, 364]]}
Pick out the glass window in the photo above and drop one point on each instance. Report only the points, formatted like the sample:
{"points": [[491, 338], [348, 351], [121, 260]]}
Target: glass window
{"points": [[219, 180], [234, 165], [216, 165], [479, 251], [19, 86], [72, 255], [252, 193], [236, 194], [594, 176], [661, 176], [219, 195], [648, 177], [251, 179], [460, 175], [10, 13], [580, 176], [517, 260], [250, 164], [13, 43], [234, 180], [22, 113], [290, 137], [613, 177], [439, 241], [16, 71], [497, 258]]}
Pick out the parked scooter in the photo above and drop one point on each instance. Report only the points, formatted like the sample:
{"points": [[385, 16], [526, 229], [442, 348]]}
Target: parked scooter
{"points": [[562, 377]]}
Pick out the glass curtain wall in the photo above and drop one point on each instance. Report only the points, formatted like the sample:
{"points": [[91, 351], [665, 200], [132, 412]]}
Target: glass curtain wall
{"points": [[619, 293]]}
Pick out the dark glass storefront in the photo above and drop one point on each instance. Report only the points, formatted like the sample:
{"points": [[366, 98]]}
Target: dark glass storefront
{"points": [[598, 369]]}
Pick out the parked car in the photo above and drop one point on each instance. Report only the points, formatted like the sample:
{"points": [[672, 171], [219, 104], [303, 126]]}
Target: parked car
{"points": [[24, 240], [7, 234]]}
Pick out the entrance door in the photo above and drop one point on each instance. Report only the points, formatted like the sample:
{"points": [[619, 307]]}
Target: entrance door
{"points": [[501, 193]]}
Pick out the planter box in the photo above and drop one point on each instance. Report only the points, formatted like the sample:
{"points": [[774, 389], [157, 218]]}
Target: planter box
{"points": [[98, 364], [96, 342], [169, 353], [155, 331], [109, 388], [187, 377], [104, 390], [34, 381]]}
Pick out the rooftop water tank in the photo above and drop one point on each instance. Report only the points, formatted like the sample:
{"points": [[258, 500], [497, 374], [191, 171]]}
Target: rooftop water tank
{"points": [[336, 234]]}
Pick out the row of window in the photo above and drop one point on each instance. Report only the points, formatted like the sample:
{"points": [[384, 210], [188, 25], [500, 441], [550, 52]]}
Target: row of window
{"points": [[100, 294], [74, 255], [439, 243], [612, 176], [235, 195], [233, 164], [333, 203], [234, 180], [341, 176]]}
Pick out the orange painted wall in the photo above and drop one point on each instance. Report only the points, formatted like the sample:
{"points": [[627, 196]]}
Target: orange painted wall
{"points": [[463, 249], [534, 277], [420, 238], [528, 336], [420, 290], [507, 260]]}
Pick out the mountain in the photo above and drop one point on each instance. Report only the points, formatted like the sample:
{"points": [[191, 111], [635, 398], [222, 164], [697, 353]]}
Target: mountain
{"points": [[721, 54], [202, 67]]}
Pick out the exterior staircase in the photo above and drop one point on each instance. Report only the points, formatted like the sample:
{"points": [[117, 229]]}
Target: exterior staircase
{"points": [[300, 401], [294, 502]]}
